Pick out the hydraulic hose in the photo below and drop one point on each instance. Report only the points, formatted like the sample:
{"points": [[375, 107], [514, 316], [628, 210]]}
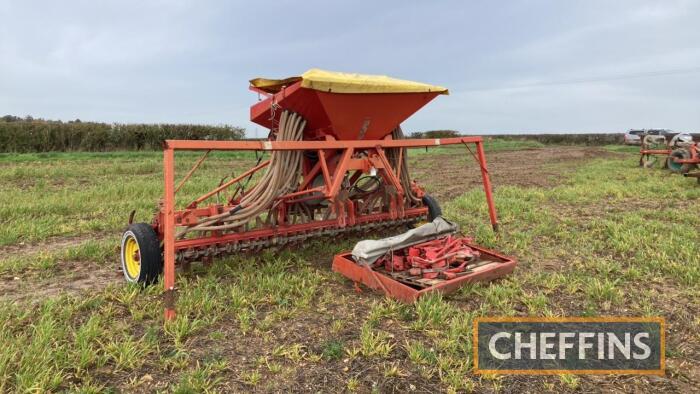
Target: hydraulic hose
{"points": [[393, 155], [281, 177]]}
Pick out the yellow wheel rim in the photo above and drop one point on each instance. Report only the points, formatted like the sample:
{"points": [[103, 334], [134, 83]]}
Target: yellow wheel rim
{"points": [[132, 257]]}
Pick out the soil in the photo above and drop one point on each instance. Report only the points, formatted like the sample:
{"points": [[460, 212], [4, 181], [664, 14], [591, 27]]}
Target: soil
{"points": [[48, 245], [69, 277], [446, 177]]}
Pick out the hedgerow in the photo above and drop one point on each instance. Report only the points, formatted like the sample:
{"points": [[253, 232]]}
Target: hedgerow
{"points": [[44, 136]]}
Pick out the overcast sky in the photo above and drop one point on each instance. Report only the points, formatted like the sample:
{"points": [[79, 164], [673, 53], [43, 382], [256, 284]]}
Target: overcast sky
{"points": [[511, 66]]}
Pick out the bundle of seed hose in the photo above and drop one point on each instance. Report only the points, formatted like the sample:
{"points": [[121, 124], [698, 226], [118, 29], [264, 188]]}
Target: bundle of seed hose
{"points": [[393, 156], [282, 177]]}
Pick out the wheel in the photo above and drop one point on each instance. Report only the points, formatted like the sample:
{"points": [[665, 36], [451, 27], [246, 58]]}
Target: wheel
{"points": [[678, 167], [433, 207], [142, 260]]}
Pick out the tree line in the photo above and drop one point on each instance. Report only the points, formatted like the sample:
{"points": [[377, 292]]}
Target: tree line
{"points": [[38, 135]]}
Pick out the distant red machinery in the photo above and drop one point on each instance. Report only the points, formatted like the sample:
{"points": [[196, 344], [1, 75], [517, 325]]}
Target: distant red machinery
{"points": [[679, 154], [653, 147], [685, 160], [336, 163]]}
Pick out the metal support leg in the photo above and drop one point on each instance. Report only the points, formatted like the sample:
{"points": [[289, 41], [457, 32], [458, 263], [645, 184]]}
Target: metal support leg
{"points": [[169, 233], [487, 185]]}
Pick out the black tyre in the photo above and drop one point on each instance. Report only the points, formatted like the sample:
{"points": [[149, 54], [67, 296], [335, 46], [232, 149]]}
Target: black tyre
{"points": [[141, 257], [433, 207]]}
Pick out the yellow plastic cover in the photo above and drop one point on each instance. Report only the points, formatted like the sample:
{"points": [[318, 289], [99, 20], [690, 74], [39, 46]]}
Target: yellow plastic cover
{"points": [[337, 82]]}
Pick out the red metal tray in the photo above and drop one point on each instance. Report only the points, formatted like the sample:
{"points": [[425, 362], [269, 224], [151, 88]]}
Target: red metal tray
{"points": [[492, 265]]}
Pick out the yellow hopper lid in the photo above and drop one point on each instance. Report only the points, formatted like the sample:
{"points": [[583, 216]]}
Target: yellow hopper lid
{"points": [[337, 82]]}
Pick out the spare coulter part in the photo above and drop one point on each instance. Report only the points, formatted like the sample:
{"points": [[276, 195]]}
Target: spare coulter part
{"points": [[440, 265], [422, 260]]}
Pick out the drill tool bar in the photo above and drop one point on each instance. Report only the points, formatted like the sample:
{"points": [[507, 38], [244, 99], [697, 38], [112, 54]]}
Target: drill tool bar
{"points": [[259, 243]]}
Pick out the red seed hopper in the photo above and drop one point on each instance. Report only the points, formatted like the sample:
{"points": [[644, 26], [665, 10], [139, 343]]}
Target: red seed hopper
{"points": [[334, 161], [342, 106]]}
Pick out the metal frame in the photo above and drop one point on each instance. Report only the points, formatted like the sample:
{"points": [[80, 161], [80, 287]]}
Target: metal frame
{"points": [[168, 216], [644, 151]]}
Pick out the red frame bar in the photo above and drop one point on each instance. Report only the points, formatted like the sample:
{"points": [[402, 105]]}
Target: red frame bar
{"points": [[192, 170], [170, 146], [663, 152], [169, 232], [314, 145]]}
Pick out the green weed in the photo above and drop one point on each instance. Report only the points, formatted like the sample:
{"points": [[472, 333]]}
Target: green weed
{"points": [[374, 343]]}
